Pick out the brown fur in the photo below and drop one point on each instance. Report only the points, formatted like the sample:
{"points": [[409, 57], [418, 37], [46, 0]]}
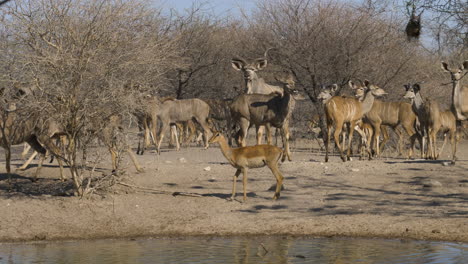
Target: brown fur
{"points": [[245, 158]]}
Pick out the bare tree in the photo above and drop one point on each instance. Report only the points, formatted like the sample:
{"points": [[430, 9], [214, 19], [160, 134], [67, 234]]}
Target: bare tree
{"points": [[79, 56]]}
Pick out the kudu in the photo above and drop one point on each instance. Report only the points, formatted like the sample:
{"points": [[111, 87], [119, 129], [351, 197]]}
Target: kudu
{"points": [[394, 115], [251, 157], [428, 113], [256, 85], [340, 110], [448, 124], [363, 129], [172, 111], [220, 114], [15, 130], [266, 109], [459, 90]]}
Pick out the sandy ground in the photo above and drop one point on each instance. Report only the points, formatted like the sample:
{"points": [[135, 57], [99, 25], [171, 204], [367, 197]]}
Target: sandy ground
{"points": [[386, 198]]}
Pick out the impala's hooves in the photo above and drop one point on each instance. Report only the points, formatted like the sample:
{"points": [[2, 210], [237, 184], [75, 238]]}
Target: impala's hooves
{"points": [[140, 170]]}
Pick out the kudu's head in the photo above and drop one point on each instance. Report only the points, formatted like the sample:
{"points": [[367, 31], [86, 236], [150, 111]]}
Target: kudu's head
{"points": [[411, 90], [249, 69], [457, 73], [361, 89], [288, 84], [327, 93]]}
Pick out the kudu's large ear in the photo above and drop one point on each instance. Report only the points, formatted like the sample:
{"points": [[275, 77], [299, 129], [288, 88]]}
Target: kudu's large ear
{"points": [[416, 87], [334, 87], [351, 84], [464, 65], [238, 64], [444, 66], [261, 63], [366, 83]]}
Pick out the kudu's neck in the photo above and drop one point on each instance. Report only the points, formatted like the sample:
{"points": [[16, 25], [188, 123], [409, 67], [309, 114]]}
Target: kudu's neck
{"points": [[418, 102], [253, 84], [367, 102]]}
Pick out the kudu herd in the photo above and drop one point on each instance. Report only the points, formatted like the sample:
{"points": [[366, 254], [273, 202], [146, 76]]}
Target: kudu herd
{"points": [[264, 106]]}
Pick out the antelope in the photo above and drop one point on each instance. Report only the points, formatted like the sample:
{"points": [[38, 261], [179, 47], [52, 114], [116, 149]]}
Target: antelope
{"points": [[392, 114], [428, 113], [173, 111], [15, 131], [448, 124], [459, 90], [256, 85], [268, 110], [363, 129], [244, 158], [340, 110], [220, 112]]}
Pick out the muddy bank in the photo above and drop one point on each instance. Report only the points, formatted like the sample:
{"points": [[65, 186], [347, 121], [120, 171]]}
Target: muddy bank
{"points": [[386, 198]]}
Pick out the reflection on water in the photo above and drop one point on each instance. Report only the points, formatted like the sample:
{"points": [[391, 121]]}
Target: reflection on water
{"points": [[236, 250]]}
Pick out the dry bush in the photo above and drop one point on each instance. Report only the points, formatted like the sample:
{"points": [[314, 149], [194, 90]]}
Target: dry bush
{"points": [[79, 57]]}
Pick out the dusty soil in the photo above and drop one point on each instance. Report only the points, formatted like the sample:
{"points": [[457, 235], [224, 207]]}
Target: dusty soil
{"points": [[387, 198]]}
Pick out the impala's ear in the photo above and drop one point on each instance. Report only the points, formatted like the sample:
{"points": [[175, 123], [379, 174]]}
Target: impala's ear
{"points": [[407, 86], [351, 85], [237, 64], [444, 66], [416, 87], [464, 65], [366, 83]]}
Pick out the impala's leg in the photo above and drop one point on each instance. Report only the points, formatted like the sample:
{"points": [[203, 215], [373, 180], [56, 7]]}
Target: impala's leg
{"points": [[279, 177], [234, 180], [244, 182]]}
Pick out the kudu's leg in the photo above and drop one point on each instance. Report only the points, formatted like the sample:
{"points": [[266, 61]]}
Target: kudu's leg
{"points": [[443, 145], [134, 160], [385, 138], [41, 150], [206, 130], [7, 162], [161, 135], [327, 141], [336, 136], [26, 148], [285, 137], [26, 164], [244, 128], [454, 142], [376, 139], [350, 139]]}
